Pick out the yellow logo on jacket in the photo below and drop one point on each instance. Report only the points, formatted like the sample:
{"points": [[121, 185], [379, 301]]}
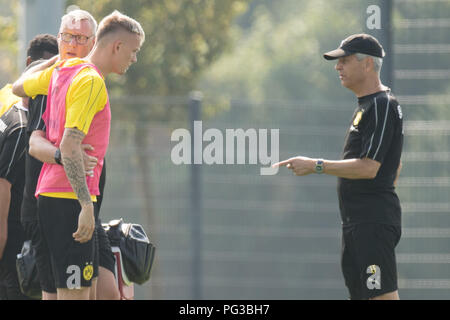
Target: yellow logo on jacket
{"points": [[357, 118]]}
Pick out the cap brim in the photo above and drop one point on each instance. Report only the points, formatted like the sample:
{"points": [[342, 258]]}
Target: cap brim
{"points": [[335, 54]]}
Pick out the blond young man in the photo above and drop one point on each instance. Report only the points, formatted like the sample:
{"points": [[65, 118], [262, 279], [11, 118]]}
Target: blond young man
{"points": [[76, 37], [82, 115]]}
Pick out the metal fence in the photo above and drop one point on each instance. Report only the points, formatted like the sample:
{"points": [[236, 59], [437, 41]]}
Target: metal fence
{"points": [[270, 237]]}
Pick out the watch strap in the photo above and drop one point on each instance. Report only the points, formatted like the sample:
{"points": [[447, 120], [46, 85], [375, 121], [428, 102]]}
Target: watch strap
{"points": [[58, 158]]}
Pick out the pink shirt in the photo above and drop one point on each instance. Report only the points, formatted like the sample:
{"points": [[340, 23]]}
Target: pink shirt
{"points": [[53, 177]]}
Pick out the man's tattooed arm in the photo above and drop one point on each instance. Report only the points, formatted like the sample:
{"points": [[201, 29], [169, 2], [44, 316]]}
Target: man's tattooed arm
{"points": [[72, 159]]}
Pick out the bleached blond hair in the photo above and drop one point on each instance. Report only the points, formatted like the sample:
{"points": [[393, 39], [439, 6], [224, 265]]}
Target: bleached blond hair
{"points": [[118, 21]]}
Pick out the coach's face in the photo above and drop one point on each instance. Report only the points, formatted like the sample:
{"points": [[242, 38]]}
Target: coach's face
{"points": [[125, 52], [75, 39], [351, 71]]}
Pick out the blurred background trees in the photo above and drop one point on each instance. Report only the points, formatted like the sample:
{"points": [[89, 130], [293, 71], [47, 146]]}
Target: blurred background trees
{"points": [[183, 38], [8, 40], [278, 51]]}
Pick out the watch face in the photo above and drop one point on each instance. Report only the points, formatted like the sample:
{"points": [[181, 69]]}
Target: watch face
{"points": [[319, 166]]}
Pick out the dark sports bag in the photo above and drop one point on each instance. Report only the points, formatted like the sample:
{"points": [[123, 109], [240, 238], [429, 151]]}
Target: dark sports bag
{"points": [[137, 251], [27, 272]]}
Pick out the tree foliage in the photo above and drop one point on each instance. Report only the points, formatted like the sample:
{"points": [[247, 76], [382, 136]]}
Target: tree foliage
{"points": [[279, 50], [8, 41], [183, 38]]}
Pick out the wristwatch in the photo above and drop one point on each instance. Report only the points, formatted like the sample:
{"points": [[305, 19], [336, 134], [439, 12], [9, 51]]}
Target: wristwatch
{"points": [[319, 166], [58, 159]]}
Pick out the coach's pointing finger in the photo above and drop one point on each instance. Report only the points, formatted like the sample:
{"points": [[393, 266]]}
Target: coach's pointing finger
{"points": [[282, 163]]}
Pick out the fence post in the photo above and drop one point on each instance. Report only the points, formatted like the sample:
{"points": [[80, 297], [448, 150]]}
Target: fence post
{"points": [[195, 102], [31, 23], [387, 71]]}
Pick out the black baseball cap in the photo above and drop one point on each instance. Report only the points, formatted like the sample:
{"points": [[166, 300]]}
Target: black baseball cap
{"points": [[357, 43]]}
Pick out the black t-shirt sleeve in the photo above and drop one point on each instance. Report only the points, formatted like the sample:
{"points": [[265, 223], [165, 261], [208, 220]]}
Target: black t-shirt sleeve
{"points": [[12, 151], [36, 110], [379, 127]]}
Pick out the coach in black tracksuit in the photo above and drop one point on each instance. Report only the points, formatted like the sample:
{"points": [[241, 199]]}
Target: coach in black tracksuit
{"points": [[370, 209]]}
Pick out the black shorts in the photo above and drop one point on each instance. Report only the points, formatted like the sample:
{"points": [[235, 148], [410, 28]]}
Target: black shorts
{"points": [[106, 257], [43, 263], [74, 264], [368, 259], [9, 283]]}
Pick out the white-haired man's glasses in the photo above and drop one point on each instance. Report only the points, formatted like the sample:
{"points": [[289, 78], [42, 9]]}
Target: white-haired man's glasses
{"points": [[80, 39]]}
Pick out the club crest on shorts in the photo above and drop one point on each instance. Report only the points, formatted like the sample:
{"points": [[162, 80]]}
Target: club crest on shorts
{"points": [[374, 280], [88, 272]]}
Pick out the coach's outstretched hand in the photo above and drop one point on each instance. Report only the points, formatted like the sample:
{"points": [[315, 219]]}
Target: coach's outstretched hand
{"points": [[86, 224], [301, 166]]}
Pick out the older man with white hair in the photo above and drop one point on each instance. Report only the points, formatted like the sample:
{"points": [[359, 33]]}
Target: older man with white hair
{"points": [[370, 208]]}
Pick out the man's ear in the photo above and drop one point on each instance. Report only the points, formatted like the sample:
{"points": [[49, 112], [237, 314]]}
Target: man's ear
{"points": [[117, 46], [28, 61]]}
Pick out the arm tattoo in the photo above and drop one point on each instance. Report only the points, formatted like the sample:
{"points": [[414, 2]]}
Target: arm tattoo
{"points": [[76, 134], [74, 165]]}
